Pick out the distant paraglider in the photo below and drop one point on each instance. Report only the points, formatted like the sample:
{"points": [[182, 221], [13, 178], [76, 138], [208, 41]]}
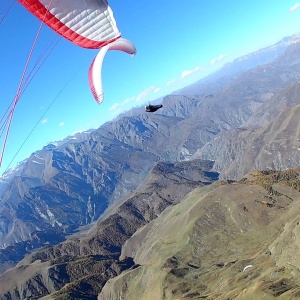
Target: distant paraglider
{"points": [[247, 267], [153, 108]]}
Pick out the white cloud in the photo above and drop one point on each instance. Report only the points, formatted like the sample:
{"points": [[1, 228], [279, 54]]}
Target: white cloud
{"points": [[61, 124], [184, 74], [145, 93], [295, 6], [44, 121], [118, 107], [171, 81], [220, 57], [117, 111], [157, 90], [128, 100], [114, 106], [189, 72]]}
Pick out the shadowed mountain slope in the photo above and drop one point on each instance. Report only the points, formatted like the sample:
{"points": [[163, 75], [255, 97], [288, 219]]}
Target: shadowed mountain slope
{"points": [[229, 240]]}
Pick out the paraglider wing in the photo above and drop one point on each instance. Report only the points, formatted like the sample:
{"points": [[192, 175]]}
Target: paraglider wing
{"points": [[89, 23], [247, 267], [95, 80]]}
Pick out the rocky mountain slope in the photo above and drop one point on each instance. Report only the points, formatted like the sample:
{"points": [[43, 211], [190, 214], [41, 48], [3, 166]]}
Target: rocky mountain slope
{"points": [[275, 146], [79, 267], [229, 240], [65, 187], [269, 110]]}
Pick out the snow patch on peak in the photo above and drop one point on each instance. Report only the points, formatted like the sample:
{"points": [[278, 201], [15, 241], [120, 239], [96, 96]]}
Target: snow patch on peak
{"points": [[10, 173]]}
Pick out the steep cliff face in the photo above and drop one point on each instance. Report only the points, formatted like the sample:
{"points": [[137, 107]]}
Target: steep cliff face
{"points": [[92, 259], [229, 240], [275, 146]]}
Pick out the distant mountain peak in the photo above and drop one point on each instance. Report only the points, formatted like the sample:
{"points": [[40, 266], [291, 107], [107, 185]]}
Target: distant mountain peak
{"points": [[75, 137]]}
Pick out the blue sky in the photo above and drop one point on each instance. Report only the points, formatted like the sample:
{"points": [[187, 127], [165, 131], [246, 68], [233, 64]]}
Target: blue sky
{"points": [[177, 43]]}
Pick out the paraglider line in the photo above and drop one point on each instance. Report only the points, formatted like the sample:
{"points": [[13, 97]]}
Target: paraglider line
{"points": [[6, 113], [37, 68], [17, 97], [3, 125], [37, 123], [31, 76], [7, 11]]}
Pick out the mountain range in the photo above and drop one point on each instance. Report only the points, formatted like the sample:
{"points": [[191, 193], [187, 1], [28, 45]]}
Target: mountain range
{"points": [[128, 174], [92, 258]]}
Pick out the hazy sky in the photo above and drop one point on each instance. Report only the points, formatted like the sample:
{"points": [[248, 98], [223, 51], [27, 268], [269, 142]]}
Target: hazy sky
{"points": [[178, 42]]}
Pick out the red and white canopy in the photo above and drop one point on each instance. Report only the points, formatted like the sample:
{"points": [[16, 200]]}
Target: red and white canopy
{"points": [[88, 23]]}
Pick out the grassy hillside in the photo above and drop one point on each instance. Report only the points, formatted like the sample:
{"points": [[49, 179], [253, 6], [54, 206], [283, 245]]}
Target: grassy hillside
{"points": [[199, 248]]}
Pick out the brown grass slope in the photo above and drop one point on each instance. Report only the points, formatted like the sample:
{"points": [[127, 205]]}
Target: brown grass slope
{"points": [[199, 248]]}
